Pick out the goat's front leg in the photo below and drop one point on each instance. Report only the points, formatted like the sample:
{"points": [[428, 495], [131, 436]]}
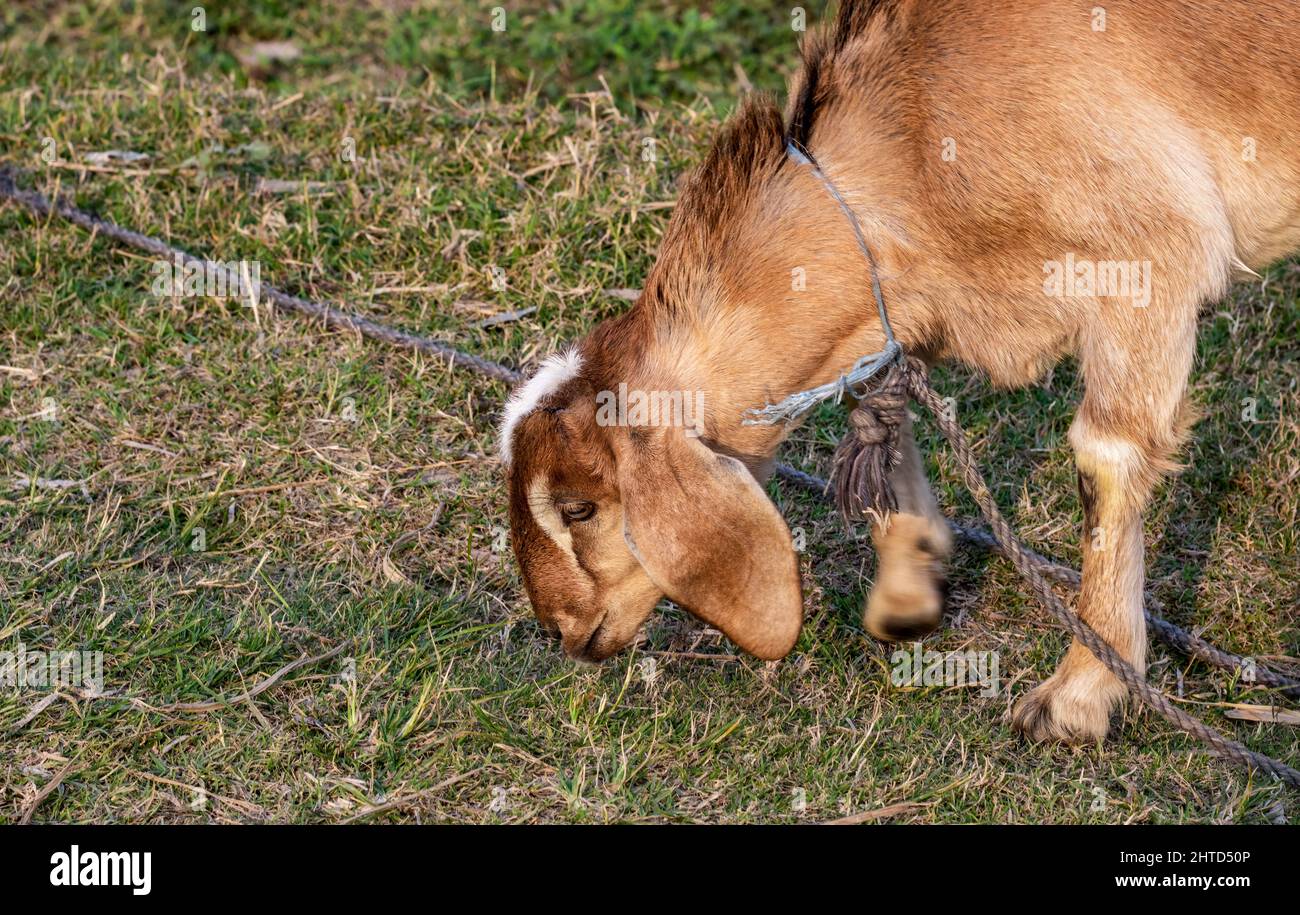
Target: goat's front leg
{"points": [[911, 548], [1122, 441]]}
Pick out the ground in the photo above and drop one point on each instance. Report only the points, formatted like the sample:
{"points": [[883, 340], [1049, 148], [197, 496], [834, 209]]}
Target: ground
{"points": [[248, 489]]}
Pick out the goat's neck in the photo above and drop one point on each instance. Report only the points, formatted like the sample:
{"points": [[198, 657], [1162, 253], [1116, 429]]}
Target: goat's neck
{"points": [[763, 347], [778, 303]]}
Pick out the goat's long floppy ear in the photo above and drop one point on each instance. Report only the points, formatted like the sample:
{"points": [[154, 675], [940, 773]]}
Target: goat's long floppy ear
{"points": [[709, 537]]}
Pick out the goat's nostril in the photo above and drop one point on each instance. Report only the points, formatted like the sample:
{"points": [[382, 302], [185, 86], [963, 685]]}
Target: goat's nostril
{"points": [[586, 648]]}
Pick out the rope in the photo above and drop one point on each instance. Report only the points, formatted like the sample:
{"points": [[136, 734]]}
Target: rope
{"points": [[805, 157], [920, 388], [865, 368], [1171, 634], [864, 457], [328, 315], [1035, 568]]}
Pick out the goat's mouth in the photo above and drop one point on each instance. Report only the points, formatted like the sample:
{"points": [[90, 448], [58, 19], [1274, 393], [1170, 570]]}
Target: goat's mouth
{"points": [[595, 649]]}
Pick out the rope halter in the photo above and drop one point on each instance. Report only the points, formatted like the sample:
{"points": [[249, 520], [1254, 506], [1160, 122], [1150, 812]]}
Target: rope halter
{"points": [[870, 449]]}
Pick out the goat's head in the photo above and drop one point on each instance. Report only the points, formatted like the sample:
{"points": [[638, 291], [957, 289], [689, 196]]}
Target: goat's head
{"points": [[607, 519]]}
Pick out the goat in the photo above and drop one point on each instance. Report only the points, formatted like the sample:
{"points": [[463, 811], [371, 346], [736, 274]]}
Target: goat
{"points": [[1037, 180]]}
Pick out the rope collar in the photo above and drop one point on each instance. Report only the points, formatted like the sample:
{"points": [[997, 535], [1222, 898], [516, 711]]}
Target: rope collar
{"points": [[866, 367]]}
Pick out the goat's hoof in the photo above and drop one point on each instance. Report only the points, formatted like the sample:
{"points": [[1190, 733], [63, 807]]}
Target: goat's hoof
{"points": [[903, 613], [1060, 711]]}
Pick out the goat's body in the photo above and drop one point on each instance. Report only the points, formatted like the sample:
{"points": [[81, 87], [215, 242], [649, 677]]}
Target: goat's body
{"points": [[986, 140], [1044, 184], [1036, 179]]}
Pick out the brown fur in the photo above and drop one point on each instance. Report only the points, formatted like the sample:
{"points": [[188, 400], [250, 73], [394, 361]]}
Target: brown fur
{"points": [[1117, 145]]}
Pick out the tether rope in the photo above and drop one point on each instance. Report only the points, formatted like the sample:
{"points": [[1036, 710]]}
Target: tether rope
{"points": [[921, 389], [326, 314]]}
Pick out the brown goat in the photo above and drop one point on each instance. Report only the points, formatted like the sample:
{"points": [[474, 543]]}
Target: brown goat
{"points": [[1036, 179]]}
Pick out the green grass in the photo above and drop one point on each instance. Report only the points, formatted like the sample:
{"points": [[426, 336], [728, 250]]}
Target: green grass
{"points": [[349, 499]]}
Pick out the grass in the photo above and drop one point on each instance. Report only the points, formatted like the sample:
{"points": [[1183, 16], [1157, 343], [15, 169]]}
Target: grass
{"points": [[250, 490]]}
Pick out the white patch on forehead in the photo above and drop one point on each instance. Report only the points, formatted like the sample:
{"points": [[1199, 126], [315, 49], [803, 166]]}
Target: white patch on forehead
{"points": [[554, 372]]}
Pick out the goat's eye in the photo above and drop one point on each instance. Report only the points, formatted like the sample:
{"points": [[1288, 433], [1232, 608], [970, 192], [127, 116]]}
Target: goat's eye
{"points": [[577, 511]]}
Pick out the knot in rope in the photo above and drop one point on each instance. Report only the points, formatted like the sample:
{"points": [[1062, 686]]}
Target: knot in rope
{"points": [[869, 450]]}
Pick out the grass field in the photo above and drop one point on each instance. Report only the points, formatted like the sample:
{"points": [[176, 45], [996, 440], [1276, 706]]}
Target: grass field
{"points": [[244, 489]]}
